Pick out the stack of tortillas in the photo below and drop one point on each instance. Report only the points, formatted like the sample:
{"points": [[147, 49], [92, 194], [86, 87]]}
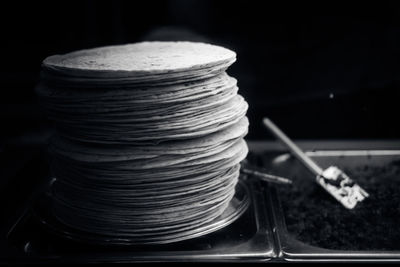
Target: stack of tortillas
{"points": [[149, 138]]}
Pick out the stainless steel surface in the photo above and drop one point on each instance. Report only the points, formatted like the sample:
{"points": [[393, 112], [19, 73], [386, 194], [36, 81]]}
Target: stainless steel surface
{"points": [[260, 235]]}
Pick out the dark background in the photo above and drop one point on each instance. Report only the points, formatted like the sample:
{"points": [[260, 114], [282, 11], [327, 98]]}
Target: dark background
{"points": [[318, 72]]}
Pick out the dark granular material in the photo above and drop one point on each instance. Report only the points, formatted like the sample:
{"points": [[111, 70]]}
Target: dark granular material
{"points": [[316, 218]]}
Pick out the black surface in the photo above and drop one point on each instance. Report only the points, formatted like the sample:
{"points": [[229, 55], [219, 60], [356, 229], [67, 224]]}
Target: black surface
{"points": [[319, 72]]}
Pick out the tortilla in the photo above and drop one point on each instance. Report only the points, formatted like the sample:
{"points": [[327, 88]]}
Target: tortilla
{"points": [[139, 59]]}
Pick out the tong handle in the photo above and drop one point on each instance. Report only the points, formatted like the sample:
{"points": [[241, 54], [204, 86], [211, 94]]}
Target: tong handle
{"points": [[294, 149]]}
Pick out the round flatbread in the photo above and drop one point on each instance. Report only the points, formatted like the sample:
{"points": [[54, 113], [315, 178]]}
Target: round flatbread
{"points": [[140, 59]]}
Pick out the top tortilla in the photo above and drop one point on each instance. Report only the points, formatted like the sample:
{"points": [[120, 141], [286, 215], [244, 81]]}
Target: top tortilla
{"points": [[139, 59]]}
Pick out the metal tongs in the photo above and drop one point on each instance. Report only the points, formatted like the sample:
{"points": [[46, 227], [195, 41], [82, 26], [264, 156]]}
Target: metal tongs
{"points": [[262, 174], [332, 179]]}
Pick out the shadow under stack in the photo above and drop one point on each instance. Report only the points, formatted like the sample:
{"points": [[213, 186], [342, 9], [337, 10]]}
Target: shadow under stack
{"points": [[149, 137]]}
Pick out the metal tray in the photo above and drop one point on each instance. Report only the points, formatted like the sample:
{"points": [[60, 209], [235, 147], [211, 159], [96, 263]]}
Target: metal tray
{"points": [[259, 235], [247, 239], [291, 249]]}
